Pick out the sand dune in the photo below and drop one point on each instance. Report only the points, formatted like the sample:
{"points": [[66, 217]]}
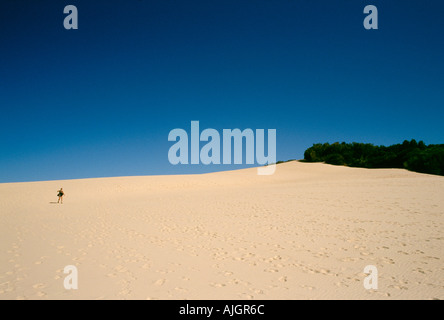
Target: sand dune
{"points": [[305, 233]]}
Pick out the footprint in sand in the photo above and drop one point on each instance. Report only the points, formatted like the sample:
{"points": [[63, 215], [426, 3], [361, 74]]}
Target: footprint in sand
{"points": [[125, 292], [121, 269], [308, 287], [419, 270], [326, 272], [398, 287], [388, 261], [160, 282], [384, 294], [340, 284], [433, 258], [41, 294], [271, 270], [365, 254]]}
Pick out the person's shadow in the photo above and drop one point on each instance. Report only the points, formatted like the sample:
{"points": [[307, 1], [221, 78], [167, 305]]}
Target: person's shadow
{"points": [[53, 203]]}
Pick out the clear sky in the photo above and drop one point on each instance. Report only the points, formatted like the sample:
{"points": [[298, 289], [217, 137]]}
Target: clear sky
{"points": [[100, 101]]}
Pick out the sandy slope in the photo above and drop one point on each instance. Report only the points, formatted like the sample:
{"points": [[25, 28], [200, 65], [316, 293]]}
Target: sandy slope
{"points": [[305, 233]]}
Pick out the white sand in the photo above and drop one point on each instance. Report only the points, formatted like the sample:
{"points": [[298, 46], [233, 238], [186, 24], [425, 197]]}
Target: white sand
{"points": [[305, 233]]}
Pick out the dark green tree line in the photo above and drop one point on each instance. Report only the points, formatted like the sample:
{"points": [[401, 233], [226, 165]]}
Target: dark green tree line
{"points": [[411, 155]]}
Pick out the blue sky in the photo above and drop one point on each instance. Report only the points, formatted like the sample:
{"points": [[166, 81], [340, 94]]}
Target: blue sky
{"points": [[100, 101]]}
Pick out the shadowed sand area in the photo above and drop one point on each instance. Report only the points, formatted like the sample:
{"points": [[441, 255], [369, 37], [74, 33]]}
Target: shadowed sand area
{"points": [[305, 233]]}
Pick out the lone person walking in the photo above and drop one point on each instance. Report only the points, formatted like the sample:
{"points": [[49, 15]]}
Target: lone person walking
{"points": [[60, 195]]}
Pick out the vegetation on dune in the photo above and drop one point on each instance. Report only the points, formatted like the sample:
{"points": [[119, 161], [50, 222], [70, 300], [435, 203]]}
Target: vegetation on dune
{"points": [[413, 156]]}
